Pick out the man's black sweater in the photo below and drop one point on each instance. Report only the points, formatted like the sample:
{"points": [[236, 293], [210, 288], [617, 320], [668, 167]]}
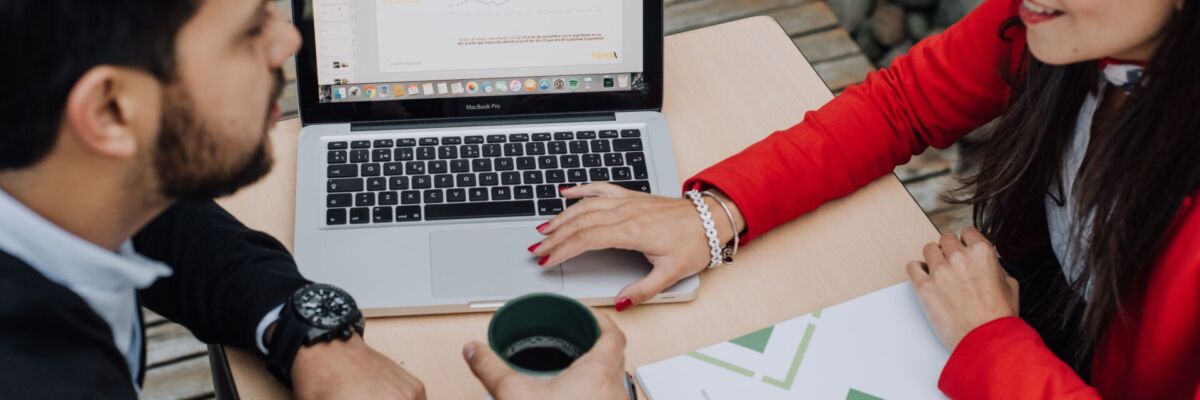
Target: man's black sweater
{"points": [[226, 277]]}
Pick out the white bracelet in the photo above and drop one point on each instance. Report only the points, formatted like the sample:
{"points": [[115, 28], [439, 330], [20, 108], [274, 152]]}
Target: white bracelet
{"points": [[727, 252], [710, 228]]}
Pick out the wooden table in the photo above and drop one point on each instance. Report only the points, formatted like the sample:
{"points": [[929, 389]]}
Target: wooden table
{"points": [[727, 86]]}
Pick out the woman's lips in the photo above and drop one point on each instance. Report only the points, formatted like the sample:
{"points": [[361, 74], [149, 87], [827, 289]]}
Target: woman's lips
{"points": [[1032, 13]]}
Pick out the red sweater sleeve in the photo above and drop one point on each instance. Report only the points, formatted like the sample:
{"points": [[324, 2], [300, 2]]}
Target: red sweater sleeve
{"points": [[948, 85], [1006, 359]]}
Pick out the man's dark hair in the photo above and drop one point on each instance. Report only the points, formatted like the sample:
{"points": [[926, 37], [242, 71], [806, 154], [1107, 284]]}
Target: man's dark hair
{"points": [[50, 44]]}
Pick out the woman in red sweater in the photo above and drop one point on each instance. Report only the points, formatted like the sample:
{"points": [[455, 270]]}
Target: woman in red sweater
{"points": [[1085, 186]]}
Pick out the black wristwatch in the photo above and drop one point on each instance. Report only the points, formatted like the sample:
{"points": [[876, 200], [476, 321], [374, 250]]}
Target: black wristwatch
{"points": [[316, 313]]}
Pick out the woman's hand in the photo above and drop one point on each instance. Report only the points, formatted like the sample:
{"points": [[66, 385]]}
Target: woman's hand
{"points": [[961, 285], [667, 230], [599, 374]]}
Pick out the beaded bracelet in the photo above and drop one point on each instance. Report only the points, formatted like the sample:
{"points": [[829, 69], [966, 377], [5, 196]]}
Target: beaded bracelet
{"points": [[710, 228], [727, 252]]}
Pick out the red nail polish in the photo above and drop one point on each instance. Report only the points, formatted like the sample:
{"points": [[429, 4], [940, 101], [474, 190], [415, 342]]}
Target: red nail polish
{"points": [[534, 247], [624, 303], [542, 262], [543, 226]]}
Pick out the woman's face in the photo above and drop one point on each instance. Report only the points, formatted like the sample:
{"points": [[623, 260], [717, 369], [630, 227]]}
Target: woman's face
{"points": [[1069, 31]]}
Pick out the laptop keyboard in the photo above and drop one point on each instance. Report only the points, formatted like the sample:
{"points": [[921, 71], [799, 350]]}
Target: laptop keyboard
{"points": [[469, 177]]}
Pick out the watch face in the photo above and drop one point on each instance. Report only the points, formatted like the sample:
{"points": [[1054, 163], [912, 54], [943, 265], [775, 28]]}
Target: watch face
{"points": [[324, 306]]}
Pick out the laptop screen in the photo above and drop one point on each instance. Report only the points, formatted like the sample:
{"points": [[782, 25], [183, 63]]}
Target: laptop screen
{"points": [[390, 61], [404, 50]]}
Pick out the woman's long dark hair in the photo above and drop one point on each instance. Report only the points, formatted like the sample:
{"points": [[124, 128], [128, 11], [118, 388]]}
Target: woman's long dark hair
{"points": [[1141, 162]]}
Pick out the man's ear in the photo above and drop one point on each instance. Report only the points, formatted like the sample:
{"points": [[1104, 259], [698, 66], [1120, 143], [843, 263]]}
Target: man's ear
{"points": [[110, 110]]}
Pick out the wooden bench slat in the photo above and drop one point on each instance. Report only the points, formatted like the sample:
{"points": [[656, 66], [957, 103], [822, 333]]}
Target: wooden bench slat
{"points": [[151, 318], [169, 342], [289, 70], [931, 162], [928, 192], [289, 101], [805, 18], [843, 72], [187, 379], [700, 13], [952, 219], [826, 45]]}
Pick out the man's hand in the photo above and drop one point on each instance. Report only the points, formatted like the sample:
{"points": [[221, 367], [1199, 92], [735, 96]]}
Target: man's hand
{"points": [[351, 370], [961, 285], [599, 374]]}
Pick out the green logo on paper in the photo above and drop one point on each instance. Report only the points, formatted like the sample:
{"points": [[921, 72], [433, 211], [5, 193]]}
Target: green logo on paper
{"points": [[757, 342]]}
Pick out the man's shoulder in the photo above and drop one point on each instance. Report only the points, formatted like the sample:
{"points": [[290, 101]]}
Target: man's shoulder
{"points": [[24, 290], [51, 344], [20, 281], [29, 302]]}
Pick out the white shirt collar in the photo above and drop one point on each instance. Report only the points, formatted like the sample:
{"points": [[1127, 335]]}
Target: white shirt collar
{"points": [[67, 259]]}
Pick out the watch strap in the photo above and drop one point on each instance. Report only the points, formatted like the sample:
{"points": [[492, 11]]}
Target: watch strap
{"points": [[287, 339]]}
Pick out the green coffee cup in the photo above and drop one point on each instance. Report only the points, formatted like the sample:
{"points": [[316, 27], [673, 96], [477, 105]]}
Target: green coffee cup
{"points": [[541, 334]]}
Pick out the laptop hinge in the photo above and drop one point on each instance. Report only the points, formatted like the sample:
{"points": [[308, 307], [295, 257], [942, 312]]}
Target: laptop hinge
{"points": [[483, 121]]}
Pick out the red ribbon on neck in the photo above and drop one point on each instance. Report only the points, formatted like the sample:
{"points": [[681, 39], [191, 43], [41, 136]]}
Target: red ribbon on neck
{"points": [[1106, 61]]}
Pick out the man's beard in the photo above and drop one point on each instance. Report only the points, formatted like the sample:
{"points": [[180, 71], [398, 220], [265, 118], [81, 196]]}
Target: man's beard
{"points": [[192, 162]]}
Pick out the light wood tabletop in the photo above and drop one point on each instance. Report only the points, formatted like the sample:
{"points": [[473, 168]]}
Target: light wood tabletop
{"points": [[727, 86]]}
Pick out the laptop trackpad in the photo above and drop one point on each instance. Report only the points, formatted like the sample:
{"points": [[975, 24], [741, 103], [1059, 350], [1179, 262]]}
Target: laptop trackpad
{"points": [[488, 262]]}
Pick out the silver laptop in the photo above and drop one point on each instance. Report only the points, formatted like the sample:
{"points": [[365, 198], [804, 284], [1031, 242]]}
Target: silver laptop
{"points": [[437, 134]]}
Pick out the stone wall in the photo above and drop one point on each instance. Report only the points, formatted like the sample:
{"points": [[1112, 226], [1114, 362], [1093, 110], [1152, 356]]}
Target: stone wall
{"points": [[885, 29]]}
